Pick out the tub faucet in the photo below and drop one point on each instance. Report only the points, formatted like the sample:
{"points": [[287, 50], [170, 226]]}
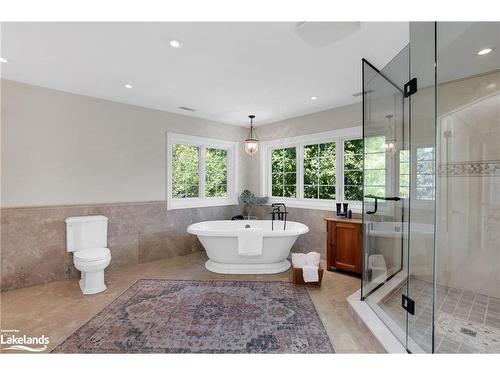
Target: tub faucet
{"points": [[277, 214]]}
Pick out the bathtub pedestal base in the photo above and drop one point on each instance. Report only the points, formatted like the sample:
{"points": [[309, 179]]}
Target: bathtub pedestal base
{"points": [[248, 268]]}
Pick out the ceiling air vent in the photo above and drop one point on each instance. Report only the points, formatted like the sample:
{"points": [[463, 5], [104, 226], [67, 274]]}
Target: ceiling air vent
{"points": [[187, 109]]}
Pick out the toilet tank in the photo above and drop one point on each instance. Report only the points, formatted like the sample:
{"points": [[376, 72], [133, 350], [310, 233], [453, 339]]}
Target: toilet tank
{"points": [[85, 232]]}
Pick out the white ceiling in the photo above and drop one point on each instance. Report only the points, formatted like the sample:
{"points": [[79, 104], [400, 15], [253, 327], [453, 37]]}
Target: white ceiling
{"points": [[458, 44], [224, 70]]}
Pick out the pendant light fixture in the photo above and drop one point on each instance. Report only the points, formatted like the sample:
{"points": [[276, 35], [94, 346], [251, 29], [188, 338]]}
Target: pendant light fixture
{"points": [[390, 142], [251, 143]]}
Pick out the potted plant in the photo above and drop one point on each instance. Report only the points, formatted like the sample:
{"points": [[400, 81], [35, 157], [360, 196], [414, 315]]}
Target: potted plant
{"points": [[250, 201]]}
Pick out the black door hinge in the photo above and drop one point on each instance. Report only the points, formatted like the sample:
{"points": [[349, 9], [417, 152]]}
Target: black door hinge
{"points": [[408, 304], [410, 87]]}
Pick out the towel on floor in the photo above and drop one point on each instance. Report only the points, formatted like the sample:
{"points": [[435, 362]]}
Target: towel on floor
{"points": [[310, 274], [250, 241], [299, 260], [313, 258]]}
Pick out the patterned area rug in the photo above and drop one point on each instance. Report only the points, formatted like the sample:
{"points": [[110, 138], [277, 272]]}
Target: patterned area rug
{"points": [[170, 316]]}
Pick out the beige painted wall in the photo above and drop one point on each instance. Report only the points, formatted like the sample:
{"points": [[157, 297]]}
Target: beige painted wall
{"points": [[335, 118], [468, 199], [61, 148]]}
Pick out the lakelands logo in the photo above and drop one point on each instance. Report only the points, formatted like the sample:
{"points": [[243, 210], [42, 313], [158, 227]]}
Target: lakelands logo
{"points": [[10, 339]]}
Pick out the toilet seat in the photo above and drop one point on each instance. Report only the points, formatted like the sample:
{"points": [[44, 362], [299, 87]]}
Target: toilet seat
{"points": [[92, 255]]}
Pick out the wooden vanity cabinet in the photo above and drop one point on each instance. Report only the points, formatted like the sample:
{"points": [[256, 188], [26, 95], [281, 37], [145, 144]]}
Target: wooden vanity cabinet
{"points": [[343, 245]]}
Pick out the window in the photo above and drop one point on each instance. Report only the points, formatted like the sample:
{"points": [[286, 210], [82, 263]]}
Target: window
{"points": [[319, 171], [200, 172], [425, 173], [353, 170], [375, 166], [215, 172], [404, 174], [284, 172], [308, 171], [185, 165]]}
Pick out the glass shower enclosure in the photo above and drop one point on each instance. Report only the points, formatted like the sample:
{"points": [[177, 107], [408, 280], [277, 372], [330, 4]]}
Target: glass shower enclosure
{"points": [[431, 208]]}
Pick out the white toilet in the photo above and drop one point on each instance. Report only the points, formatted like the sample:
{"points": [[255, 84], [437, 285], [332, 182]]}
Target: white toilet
{"points": [[87, 238]]}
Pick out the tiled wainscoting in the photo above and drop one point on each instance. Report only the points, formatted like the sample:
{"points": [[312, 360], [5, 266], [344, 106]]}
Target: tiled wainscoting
{"points": [[33, 239]]}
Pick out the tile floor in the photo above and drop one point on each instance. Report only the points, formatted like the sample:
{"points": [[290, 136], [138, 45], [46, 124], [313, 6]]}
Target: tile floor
{"points": [[58, 309], [466, 322]]}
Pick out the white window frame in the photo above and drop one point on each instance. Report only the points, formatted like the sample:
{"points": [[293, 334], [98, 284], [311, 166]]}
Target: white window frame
{"points": [[337, 136], [203, 143]]}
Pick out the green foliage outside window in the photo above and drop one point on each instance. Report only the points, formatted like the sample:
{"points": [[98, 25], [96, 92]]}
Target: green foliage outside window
{"points": [[319, 171], [185, 171], [215, 172], [353, 169], [374, 178], [404, 174], [284, 172], [425, 173]]}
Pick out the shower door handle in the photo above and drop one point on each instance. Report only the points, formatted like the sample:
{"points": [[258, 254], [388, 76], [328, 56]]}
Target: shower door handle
{"points": [[376, 202]]}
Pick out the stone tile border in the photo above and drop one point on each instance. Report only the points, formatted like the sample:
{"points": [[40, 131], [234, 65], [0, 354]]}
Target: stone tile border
{"points": [[486, 168]]}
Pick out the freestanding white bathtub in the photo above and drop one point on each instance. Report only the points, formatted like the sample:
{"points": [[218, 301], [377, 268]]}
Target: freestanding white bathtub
{"points": [[220, 240]]}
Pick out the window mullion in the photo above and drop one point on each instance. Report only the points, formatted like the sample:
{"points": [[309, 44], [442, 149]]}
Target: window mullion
{"points": [[201, 170], [269, 168], [339, 170], [271, 171], [283, 177], [300, 171], [229, 175], [317, 171]]}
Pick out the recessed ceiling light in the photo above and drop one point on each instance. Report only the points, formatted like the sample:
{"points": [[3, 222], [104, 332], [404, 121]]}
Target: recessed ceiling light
{"points": [[484, 51], [2, 60], [313, 97], [129, 86], [175, 43]]}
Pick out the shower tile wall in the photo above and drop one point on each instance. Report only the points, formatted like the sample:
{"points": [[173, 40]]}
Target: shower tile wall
{"points": [[468, 212], [33, 246], [466, 321]]}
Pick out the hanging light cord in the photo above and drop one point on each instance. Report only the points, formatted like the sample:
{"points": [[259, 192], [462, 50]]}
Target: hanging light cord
{"points": [[251, 126]]}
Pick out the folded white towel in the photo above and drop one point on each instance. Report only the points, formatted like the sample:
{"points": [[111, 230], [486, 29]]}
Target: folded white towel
{"points": [[313, 258], [310, 274], [250, 241], [299, 260]]}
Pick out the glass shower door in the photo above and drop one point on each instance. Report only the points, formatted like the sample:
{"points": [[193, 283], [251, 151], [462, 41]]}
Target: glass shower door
{"points": [[399, 113], [421, 286], [386, 191]]}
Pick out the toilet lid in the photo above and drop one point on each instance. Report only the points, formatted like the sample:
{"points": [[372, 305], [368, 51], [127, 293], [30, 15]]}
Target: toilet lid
{"points": [[92, 254]]}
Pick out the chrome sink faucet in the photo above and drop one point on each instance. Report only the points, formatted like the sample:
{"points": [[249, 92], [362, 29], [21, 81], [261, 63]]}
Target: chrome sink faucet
{"points": [[278, 214]]}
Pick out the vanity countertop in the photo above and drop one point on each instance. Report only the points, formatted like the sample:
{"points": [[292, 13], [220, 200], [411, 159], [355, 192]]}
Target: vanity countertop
{"points": [[354, 220]]}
